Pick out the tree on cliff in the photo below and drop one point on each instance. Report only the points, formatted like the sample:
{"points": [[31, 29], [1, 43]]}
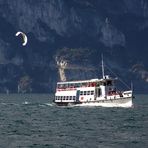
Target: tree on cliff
{"points": [[24, 84]]}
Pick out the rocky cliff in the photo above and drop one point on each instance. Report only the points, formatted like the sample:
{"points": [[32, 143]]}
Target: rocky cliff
{"points": [[77, 31]]}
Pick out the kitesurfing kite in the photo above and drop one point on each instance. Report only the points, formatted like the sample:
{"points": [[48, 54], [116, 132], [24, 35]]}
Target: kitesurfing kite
{"points": [[24, 37]]}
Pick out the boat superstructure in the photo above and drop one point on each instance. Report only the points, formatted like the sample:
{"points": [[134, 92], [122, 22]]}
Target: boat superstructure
{"points": [[93, 92]]}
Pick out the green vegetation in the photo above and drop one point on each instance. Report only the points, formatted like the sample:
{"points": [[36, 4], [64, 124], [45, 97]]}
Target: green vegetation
{"points": [[75, 54]]}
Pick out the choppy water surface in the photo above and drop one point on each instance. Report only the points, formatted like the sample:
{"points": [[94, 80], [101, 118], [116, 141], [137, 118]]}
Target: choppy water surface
{"points": [[32, 121]]}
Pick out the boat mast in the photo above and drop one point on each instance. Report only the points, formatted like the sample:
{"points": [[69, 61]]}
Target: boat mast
{"points": [[131, 86], [102, 67]]}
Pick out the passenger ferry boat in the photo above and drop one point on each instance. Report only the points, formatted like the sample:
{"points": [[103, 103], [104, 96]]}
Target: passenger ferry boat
{"points": [[93, 92]]}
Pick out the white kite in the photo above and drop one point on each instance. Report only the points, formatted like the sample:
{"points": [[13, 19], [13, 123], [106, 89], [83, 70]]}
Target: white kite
{"points": [[24, 37]]}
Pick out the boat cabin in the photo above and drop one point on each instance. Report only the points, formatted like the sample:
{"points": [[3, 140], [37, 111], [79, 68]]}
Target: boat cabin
{"points": [[86, 90]]}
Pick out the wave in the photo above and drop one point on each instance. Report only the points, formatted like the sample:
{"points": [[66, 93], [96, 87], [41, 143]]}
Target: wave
{"points": [[49, 104], [26, 102]]}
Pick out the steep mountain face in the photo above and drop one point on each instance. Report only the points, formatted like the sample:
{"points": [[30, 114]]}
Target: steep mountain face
{"points": [[76, 32]]}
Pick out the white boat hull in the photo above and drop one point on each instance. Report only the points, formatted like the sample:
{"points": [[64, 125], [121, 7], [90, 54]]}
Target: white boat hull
{"points": [[124, 102], [120, 102]]}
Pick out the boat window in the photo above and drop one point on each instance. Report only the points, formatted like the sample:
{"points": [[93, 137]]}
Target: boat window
{"points": [[87, 84], [84, 84], [92, 84], [74, 97], [66, 85], [81, 92], [97, 84], [88, 92], [61, 86], [70, 97], [103, 83], [84, 92], [71, 85], [109, 83], [98, 92], [92, 92], [76, 85]]}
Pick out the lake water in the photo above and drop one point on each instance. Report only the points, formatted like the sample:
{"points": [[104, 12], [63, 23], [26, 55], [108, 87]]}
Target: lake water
{"points": [[32, 121]]}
